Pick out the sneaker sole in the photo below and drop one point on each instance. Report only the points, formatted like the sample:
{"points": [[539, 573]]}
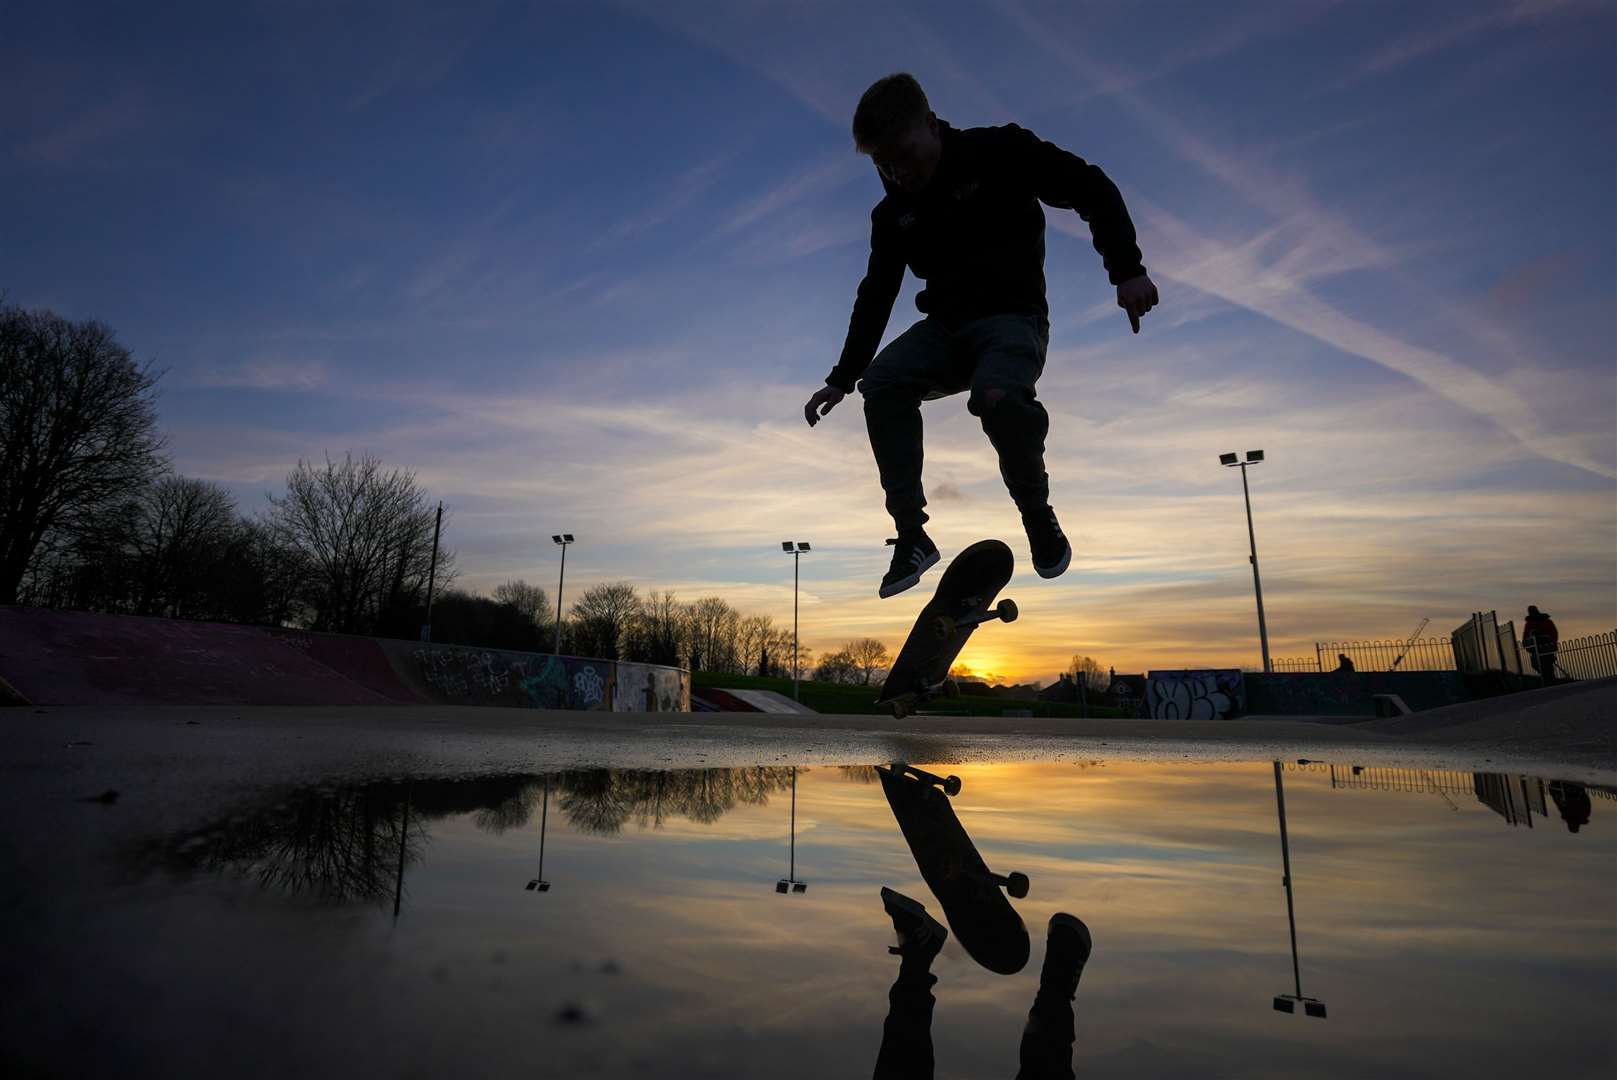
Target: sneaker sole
{"points": [[909, 582], [1077, 926], [1059, 568], [891, 899]]}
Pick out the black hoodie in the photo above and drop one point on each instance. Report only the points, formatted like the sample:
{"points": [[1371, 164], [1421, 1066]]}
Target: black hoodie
{"points": [[975, 235]]}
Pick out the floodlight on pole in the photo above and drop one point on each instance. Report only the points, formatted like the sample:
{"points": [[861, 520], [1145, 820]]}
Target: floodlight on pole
{"points": [[1253, 457], [1287, 1003], [795, 549], [789, 883], [562, 539]]}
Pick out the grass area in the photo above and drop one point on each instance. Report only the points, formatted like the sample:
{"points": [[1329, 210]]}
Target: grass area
{"points": [[837, 698]]}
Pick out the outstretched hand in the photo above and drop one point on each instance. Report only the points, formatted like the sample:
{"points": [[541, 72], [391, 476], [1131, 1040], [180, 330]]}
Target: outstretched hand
{"points": [[824, 400], [1137, 296]]}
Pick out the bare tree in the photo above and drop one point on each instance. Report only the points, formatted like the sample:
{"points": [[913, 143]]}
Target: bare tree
{"points": [[366, 534], [530, 600], [837, 667], [868, 656], [604, 616], [753, 636], [179, 534], [711, 625], [658, 636], [77, 431], [1089, 669]]}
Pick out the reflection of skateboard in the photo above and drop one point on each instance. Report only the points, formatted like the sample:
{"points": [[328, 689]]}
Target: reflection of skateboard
{"points": [[983, 921], [961, 602]]}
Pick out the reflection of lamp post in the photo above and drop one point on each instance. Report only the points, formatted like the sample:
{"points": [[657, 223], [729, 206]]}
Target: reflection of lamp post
{"points": [[789, 883], [797, 555], [1287, 1003], [1253, 457], [404, 836], [539, 882], [563, 539]]}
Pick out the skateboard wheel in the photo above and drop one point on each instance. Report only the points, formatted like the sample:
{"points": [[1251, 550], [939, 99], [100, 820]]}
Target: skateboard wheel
{"points": [[951, 785], [1007, 610], [1016, 884], [943, 626], [951, 689], [900, 710]]}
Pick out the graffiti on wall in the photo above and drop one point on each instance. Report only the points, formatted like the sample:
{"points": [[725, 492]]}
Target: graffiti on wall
{"points": [[1195, 695], [495, 677], [650, 688]]}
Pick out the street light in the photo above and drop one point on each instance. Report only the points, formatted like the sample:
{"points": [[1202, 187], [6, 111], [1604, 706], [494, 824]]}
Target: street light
{"points": [[563, 539], [1253, 457], [539, 883], [789, 883], [797, 555], [1287, 1003]]}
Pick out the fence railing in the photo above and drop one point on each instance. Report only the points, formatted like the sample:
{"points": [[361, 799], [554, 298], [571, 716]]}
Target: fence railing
{"points": [[1422, 654], [1592, 657]]}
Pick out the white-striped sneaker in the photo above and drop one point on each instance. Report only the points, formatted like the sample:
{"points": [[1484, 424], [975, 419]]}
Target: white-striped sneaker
{"points": [[913, 554]]}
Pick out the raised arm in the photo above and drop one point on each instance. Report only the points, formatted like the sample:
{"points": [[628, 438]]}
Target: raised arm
{"points": [[872, 305]]}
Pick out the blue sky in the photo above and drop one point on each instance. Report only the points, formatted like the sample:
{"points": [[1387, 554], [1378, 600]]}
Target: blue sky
{"points": [[578, 265]]}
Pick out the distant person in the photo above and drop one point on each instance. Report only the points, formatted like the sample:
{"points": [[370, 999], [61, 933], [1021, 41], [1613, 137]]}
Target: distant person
{"points": [[962, 212], [1572, 800], [1344, 662], [1047, 1038], [1542, 641]]}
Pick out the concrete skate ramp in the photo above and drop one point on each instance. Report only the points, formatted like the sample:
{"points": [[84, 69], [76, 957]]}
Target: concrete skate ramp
{"points": [[360, 659], [77, 658], [1567, 712], [767, 701]]}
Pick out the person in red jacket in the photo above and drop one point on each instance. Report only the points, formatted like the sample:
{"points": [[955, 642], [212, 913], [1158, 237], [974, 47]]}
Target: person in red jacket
{"points": [[962, 212], [1542, 641]]}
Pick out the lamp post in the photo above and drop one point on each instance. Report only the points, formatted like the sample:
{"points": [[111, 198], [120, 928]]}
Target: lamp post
{"points": [[1253, 457], [797, 555], [789, 883], [432, 572], [1287, 1003], [539, 883], [563, 539]]}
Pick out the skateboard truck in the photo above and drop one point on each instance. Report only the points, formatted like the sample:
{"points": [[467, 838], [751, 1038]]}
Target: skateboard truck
{"points": [[949, 784], [1015, 883], [945, 626]]}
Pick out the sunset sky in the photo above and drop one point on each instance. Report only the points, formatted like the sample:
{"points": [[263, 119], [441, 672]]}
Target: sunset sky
{"points": [[579, 265]]}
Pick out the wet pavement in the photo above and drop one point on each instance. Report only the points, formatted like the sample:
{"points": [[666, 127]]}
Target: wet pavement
{"points": [[729, 922]]}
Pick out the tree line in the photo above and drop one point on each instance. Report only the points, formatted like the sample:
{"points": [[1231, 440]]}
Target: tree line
{"points": [[93, 518]]}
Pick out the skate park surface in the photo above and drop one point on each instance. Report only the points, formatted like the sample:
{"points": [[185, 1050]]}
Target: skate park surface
{"points": [[395, 889]]}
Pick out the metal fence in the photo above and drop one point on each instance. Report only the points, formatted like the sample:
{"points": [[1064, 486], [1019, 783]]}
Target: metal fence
{"points": [[1592, 657], [1421, 654]]}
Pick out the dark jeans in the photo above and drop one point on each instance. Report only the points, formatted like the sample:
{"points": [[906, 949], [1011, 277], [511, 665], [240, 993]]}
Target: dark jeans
{"points": [[999, 359], [906, 1038]]}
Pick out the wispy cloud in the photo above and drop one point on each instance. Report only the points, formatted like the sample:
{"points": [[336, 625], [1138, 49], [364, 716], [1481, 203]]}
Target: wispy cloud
{"points": [[1455, 26]]}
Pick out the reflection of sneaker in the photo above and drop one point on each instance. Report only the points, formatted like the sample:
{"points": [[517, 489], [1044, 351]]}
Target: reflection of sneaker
{"points": [[913, 553], [1051, 552], [1065, 952], [920, 936]]}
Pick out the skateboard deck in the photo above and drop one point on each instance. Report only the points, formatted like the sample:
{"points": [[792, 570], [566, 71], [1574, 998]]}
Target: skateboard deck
{"points": [[941, 630], [982, 919]]}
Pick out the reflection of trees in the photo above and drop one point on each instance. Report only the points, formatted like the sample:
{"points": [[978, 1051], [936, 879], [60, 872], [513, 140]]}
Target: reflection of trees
{"points": [[350, 844], [604, 800], [331, 845]]}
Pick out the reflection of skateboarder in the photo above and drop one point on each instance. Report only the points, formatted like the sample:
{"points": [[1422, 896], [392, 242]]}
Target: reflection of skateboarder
{"points": [[985, 923], [962, 212], [906, 1043]]}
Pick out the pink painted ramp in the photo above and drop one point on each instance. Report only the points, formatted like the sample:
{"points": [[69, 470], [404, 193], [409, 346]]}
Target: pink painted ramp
{"points": [[360, 659], [76, 658]]}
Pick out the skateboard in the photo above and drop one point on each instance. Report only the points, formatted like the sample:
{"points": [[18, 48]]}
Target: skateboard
{"points": [[959, 605], [983, 920]]}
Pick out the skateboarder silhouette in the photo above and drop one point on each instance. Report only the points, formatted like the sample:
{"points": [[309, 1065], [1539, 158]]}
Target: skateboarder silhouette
{"points": [[962, 211]]}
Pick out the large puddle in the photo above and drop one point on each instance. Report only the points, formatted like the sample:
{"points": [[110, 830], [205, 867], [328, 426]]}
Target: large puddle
{"points": [[730, 923]]}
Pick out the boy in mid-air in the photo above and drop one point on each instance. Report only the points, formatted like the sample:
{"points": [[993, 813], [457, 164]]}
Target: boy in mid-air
{"points": [[962, 211]]}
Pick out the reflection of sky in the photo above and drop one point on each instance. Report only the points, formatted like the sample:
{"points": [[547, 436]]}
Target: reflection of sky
{"points": [[1444, 940], [579, 265]]}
